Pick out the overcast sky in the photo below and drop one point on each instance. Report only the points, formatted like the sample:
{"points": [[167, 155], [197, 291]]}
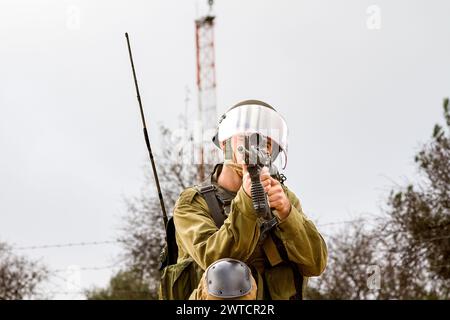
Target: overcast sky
{"points": [[360, 83]]}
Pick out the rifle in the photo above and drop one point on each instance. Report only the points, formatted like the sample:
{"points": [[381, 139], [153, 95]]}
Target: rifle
{"points": [[256, 159], [147, 141]]}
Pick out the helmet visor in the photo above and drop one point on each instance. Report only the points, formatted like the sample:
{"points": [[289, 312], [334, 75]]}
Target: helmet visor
{"points": [[249, 119]]}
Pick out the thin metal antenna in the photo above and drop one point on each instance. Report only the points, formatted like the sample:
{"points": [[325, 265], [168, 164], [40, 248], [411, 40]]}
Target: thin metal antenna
{"points": [[147, 141]]}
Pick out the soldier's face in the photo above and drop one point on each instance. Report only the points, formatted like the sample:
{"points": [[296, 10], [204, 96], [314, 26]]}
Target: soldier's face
{"points": [[234, 143]]}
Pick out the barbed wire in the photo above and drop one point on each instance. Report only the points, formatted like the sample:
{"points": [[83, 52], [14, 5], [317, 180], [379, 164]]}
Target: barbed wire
{"points": [[94, 268], [105, 242], [66, 281], [66, 245], [56, 272], [347, 221]]}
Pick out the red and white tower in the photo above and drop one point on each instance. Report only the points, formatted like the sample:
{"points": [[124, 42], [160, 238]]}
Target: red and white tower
{"points": [[206, 85]]}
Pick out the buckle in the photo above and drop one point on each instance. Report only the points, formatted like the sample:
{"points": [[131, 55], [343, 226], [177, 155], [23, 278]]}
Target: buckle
{"points": [[266, 226], [208, 188]]}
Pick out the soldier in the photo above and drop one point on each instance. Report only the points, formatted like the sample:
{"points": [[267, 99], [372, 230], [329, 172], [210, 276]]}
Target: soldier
{"points": [[218, 229]]}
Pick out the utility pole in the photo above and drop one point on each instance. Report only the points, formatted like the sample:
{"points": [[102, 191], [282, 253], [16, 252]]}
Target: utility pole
{"points": [[206, 85]]}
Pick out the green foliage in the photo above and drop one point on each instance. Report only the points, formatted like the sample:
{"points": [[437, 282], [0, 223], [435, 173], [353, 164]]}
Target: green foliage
{"points": [[125, 285], [143, 235], [19, 276], [421, 213], [410, 243]]}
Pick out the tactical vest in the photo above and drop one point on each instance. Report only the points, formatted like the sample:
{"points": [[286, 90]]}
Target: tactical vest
{"points": [[188, 273]]}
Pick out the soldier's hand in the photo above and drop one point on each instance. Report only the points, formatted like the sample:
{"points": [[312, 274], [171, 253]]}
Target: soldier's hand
{"points": [[247, 182], [278, 199]]}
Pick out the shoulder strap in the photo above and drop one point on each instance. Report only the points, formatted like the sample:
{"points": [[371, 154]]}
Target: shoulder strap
{"points": [[208, 192], [298, 277], [169, 254]]}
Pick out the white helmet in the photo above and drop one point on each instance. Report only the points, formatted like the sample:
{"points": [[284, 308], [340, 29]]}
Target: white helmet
{"points": [[254, 116]]}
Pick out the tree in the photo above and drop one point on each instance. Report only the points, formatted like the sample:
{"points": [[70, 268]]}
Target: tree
{"points": [[19, 276], [351, 255], [143, 234], [419, 216], [125, 285], [410, 245]]}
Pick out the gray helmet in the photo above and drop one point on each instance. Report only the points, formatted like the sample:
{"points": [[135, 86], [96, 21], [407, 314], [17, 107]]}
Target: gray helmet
{"points": [[228, 278]]}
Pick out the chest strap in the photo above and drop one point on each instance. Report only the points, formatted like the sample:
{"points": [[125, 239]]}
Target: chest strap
{"points": [[209, 194], [273, 247], [216, 211]]}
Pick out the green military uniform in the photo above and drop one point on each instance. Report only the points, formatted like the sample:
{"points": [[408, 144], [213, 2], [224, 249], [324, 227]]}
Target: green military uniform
{"points": [[198, 238]]}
